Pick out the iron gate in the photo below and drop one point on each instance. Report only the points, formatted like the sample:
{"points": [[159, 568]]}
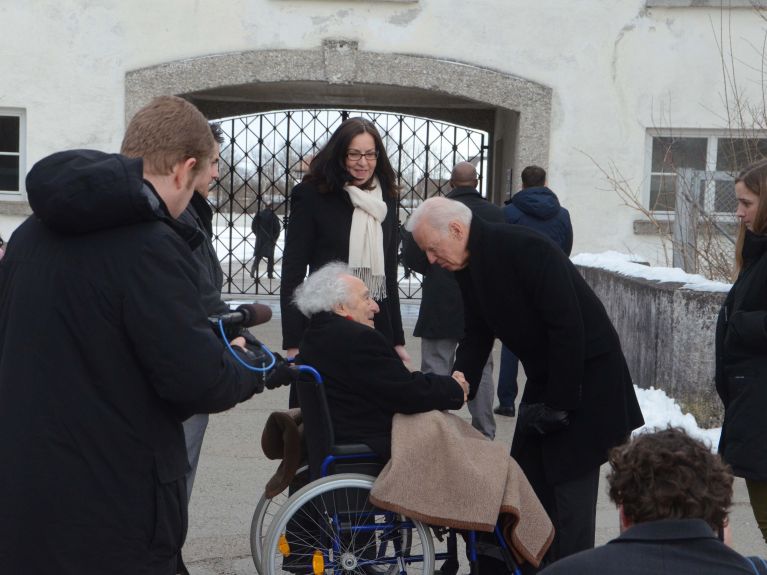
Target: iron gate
{"points": [[265, 155]]}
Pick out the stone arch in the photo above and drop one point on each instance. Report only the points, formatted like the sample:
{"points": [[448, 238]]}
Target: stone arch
{"points": [[516, 112]]}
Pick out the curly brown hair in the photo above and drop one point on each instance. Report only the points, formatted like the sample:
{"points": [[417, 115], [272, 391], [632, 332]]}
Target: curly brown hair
{"points": [[669, 475]]}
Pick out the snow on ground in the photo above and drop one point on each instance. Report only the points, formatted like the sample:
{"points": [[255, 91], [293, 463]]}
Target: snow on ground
{"points": [[660, 410]]}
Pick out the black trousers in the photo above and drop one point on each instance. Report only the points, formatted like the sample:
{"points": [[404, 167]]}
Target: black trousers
{"points": [[571, 505]]}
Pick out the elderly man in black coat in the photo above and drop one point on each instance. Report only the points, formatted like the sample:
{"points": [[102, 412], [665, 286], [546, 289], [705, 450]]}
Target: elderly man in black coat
{"points": [[440, 316], [579, 400], [366, 382]]}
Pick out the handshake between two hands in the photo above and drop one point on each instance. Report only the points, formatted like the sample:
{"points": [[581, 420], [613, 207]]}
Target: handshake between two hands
{"points": [[459, 377]]}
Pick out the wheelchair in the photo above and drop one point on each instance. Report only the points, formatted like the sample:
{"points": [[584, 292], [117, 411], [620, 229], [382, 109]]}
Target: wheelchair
{"points": [[325, 523]]}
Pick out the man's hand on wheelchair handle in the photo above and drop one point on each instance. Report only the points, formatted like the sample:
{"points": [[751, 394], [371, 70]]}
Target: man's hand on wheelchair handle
{"points": [[283, 373], [459, 377], [542, 419]]}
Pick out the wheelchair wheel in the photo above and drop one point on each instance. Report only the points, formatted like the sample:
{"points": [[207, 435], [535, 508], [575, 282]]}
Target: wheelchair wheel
{"points": [[264, 514], [330, 526]]}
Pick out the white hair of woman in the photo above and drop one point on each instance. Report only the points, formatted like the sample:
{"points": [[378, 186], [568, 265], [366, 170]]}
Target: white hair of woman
{"points": [[323, 290], [437, 213]]}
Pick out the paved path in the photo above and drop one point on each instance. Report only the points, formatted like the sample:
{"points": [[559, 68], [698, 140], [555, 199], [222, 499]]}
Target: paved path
{"points": [[233, 470]]}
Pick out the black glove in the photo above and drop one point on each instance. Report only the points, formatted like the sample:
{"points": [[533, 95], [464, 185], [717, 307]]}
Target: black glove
{"points": [[283, 373], [541, 419], [256, 358]]}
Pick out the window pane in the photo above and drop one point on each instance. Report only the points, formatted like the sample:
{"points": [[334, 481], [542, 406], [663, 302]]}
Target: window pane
{"points": [[670, 154], [734, 154], [724, 197], [9, 134], [9, 173], [662, 193]]}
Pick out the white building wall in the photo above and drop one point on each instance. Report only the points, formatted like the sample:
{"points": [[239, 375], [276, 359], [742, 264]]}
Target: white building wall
{"points": [[615, 67]]}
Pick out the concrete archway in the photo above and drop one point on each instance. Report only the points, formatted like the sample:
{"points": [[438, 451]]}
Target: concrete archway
{"points": [[516, 112]]}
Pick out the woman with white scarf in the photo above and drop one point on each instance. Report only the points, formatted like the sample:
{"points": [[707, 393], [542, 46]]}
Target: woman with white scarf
{"points": [[346, 208]]}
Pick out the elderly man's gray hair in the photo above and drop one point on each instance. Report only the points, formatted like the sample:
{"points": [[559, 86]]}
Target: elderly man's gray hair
{"points": [[438, 213], [323, 290]]}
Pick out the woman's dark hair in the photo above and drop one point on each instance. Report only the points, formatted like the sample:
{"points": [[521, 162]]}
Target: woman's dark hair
{"points": [[669, 475], [754, 177], [327, 169]]}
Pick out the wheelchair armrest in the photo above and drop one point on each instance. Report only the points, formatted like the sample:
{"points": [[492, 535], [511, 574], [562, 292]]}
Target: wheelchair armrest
{"points": [[351, 449]]}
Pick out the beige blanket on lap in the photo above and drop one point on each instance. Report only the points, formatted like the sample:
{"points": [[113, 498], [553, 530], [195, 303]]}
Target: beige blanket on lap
{"points": [[445, 472]]}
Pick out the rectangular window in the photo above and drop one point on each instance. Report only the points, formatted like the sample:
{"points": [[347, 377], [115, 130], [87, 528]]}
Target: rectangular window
{"points": [[710, 162], [11, 153], [669, 155]]}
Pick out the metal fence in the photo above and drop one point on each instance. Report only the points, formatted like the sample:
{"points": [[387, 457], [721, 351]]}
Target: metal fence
{"points": [[265, 155]]}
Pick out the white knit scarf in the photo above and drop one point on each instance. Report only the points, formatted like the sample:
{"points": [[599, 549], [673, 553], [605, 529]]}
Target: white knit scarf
{"points": [[366, 254]]}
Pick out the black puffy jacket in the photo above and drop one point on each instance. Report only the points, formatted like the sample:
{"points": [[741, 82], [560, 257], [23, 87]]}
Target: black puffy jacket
{"points": [[538, 208], [741, 365], [104, 350]]}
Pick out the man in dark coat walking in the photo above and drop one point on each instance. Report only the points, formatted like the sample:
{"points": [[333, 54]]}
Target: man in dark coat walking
{"points": [[105, 349], [536, 207], [266, 227], [579, 400], [440, 317]]}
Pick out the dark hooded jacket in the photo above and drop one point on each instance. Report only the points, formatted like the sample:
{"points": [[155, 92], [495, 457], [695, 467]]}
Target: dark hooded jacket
{"points": [[538, 208], [104, 351], [198, 214], [741, 365]]}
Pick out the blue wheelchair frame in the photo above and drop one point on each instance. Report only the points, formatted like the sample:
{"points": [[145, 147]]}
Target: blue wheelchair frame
{"points": [[391, 526]]}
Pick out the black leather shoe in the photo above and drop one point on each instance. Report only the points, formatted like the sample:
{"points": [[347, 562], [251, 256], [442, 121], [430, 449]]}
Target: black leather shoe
{"points": [[505, 411]]}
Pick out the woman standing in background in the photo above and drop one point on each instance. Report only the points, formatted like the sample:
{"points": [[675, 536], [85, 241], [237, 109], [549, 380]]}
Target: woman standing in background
{"points": [[741, 346], [346, 208]]}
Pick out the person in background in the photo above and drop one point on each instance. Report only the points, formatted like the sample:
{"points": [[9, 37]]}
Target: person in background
{"points": [[345, 209], [199, 215], [673, 496], [266, 227], [579, 400], [741, 346], [535, 206], [440, 316], [366, 382], [105, 350]]}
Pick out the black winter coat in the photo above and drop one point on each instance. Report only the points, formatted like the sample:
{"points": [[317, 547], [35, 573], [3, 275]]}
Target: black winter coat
{"points": [[266, 227], [317, 233], [741, 365], [366, 382], [662, 547], [521, 288], [198, 214], [538, 209], [440, 315], [104, 350]]}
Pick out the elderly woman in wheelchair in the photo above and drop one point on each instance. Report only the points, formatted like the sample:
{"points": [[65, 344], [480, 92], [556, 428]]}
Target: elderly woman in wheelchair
{"points": [[327, 523]]}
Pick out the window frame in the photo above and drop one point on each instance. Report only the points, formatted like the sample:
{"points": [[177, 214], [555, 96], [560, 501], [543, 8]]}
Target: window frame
{"points": [[712, 148], [752, 4], [21, 193]]}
